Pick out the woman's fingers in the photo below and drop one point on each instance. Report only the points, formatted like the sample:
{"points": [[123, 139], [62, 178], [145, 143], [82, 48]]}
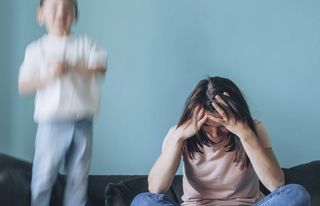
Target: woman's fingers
{"points": [[198, 118], [220, 111], [196, 111], [225, 107], [220, 100], [202, 120], [230, 105], [215, 119], [226, 94], [195, 115], [200, 114]]}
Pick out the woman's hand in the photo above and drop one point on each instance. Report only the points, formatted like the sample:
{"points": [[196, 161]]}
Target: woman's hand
{"points": [[193, 125], [227, 118], [163, 171]]}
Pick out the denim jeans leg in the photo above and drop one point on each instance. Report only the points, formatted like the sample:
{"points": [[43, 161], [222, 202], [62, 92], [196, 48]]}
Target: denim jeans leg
{"points": [[51, 143], [78, 160], [148, 199], [291, 194]]}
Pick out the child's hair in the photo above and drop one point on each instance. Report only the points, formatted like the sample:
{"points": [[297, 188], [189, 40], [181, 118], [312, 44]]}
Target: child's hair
{"points": [[75, 4]]}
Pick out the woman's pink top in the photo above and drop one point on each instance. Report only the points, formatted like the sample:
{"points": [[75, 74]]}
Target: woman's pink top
{"points": [[212, 179]]}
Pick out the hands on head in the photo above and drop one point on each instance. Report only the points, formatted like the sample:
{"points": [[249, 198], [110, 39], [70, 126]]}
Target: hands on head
{"points": [[221, 116]]}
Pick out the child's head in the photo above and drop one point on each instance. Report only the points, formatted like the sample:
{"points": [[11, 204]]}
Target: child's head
{"points": [[58, 15]]}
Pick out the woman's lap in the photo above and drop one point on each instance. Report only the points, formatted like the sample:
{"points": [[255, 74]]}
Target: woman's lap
{"points": [[291, 194]]}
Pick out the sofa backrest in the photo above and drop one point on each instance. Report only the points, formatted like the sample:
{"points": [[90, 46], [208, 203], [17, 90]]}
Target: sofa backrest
{"points": [[15, 178], [307, 175], [119, 190]]}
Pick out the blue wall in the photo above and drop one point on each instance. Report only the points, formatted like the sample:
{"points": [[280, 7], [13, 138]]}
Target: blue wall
{"points": [[5, 78], [159, 49]]}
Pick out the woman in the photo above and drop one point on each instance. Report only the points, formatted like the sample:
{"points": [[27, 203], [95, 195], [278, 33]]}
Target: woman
{"points": [[225, 153]]}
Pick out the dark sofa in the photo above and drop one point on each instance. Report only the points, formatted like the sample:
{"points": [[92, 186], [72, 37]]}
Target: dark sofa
{"points": [[119, 190]]}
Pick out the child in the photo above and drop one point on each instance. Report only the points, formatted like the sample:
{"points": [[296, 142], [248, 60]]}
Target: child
{"points": [[62, 69]]}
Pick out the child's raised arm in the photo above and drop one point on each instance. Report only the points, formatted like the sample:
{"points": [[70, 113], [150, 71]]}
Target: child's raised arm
{"points": [[32, 82], [94, 60]]}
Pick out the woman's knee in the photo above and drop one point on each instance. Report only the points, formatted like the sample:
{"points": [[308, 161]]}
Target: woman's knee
{"points": [[144, 199], [299, 194]]}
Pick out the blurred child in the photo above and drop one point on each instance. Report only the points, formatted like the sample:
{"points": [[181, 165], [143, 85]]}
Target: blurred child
{"points": [[63, 70]]}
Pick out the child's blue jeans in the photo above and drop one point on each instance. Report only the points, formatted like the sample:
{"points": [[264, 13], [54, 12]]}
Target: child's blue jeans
{"points": [[287, 195], [56, 141]]}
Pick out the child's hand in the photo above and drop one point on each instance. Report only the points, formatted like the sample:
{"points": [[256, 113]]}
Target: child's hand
{"points": [[81, 67], [58, 69]]}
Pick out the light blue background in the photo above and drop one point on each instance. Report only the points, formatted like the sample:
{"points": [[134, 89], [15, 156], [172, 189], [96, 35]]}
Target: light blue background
{"points": [[158, 50]]}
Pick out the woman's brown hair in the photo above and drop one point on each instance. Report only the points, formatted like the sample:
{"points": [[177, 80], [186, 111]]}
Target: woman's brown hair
{"points": [[204, 94]]}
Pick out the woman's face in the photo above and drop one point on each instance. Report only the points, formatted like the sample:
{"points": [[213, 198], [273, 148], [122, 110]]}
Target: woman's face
{"points": [[215, 131]]}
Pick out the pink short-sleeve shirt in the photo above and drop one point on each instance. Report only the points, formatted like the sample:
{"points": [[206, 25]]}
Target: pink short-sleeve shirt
{"points": [[212, 178]]}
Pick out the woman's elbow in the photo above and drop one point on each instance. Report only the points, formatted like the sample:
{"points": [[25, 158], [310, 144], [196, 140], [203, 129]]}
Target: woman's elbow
{"points": [[277, 182], [155, 187]]}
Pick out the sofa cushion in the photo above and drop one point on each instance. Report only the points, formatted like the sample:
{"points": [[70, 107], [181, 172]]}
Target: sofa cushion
{"points": [[97, 185], [114, 196], [15, 179], [14, 187], [307, 175]]}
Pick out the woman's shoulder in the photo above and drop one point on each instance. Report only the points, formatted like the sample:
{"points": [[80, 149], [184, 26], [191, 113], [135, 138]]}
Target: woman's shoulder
{"points": [[170, 131], [168, 135]]}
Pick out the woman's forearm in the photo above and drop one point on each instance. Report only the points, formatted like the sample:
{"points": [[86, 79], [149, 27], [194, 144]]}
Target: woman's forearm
{"points": [[166, 166], [163, 171], [263, 161]]}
